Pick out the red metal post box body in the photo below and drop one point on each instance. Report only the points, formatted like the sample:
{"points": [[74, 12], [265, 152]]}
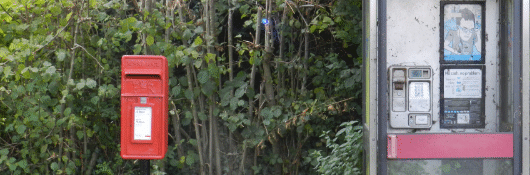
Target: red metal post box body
{"points": [[144, 107]]}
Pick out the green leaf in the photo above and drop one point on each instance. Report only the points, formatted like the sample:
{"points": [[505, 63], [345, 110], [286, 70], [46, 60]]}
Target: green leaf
{"points": [[94, 100], [225, 97], [80, 134], [90, 83], [61, 121], [186, 122], [248, 23], [56, 10], [190, 160], [81, 84], [68, 16], [11, 164], [198, 41], [150, 40], [54, 166], [210, 56], [51, 70], [203, 76], [241, 91], [277, 112], [327, 20], [208, 88], [202, 116], [69, 170], [349, 82], [197, 64], [457, 165], [266, 122], [22, 27], [21, 129], [67, 111], [23, 164], [187, 35], [176, 91], [7, 71], [313, 28], [213, 70], [233, 103], [43, 148], [61, 54], [188, 94], [198, 30], [4, 152], [137, 48], [297, 24]]}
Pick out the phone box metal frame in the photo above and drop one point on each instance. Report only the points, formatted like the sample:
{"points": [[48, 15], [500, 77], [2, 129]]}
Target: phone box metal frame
{"points": [[144, 107], [408, 34]]}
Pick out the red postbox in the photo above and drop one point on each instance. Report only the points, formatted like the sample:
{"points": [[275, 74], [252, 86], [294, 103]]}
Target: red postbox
{"points": [[144, 107]]}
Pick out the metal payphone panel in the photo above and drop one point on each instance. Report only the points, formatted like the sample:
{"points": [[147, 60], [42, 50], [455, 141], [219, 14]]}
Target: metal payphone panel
{"points": [[412, 33], [410, 96]]}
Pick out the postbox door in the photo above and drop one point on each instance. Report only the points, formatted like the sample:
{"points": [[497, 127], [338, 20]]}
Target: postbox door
{"points": [[144, 99], [145, 130]]}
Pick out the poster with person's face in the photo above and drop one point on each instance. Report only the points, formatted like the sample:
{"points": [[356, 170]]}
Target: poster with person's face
{"points": [[463, 28]]}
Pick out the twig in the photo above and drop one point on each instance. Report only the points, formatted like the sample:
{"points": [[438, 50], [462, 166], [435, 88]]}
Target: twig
{"points": [[137, 9], [6, 11], [342, 101], [289, 4], [79, 46], [58, 32], [301, 15]]}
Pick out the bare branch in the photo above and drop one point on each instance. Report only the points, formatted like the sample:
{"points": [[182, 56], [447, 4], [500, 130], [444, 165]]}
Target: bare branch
{"points": [[6, 11], [58, 32], [79, 46]]}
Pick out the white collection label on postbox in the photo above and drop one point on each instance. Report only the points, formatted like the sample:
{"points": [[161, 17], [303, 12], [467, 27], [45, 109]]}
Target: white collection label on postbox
{"points": [[142, 123]]}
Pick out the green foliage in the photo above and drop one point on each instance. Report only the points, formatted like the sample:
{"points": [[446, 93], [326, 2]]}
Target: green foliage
{"points": [[413, 167], [346, 151], [60, 84]]}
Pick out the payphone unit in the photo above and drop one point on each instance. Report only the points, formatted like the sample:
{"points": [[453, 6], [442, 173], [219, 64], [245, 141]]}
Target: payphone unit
{"points": [[446, 86], [410, 97]]}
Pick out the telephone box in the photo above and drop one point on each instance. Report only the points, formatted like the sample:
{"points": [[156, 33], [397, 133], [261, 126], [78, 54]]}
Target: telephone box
{"points": [[144, 107], [446, 86]]}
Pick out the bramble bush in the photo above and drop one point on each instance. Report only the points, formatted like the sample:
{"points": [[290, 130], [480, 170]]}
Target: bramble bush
{"points": [[245, 96]]}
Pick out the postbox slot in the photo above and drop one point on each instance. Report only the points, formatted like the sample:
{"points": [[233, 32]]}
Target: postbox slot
{"points": [[142, 76]]}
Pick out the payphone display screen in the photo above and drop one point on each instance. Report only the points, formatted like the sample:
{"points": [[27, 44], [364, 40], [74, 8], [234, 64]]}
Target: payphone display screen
{"points": [[462, 97]]}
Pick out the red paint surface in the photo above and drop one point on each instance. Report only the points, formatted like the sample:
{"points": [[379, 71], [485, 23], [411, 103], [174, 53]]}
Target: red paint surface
{"points": [[434, 146], [144, 76]]}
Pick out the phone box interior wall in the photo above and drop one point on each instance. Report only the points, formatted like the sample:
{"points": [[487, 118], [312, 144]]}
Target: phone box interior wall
{"points": [[413, 39]]}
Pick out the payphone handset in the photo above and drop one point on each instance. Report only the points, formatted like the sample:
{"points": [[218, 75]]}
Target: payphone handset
{"points": [[410, 96]]}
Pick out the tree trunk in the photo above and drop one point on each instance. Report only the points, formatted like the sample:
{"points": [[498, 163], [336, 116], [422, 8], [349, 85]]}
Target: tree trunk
{"points": [[269, 91], [210, 146], [195, 120], [147, 9], [282, 45], [217, 149], [306, 58], [193, 105], [253, 70], [176, 127], [252, 79]]}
